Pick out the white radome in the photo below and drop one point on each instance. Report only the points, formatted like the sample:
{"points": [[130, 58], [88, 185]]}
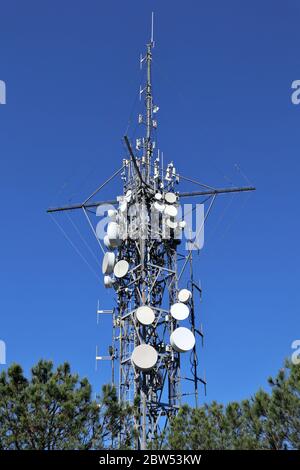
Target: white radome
{"points": [[158, 196], [145, 315], [108, 243], [121, 268], [171, 211], [144, 357], [128, 195], [179, 311], [159, 206], [184, 295], [108, 263], [171, 224], [113, 231], [170, 198], [182, 340], [108, 282], [112, 213]]}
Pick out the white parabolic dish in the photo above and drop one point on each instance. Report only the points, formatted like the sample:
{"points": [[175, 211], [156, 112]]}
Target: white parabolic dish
{"points": [[159, 206], [113, 231], [179, 311], [182, 339], [171, 211], [170, 198], [112, 213], [171, 224], [128, 195], [108, 263], [144, 357], [108, 243], [184, 295], [145, 315], [108, 282], [121, 268]]}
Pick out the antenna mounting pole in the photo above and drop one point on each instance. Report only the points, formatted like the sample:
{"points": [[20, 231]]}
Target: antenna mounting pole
{"points": [[148, 147]]}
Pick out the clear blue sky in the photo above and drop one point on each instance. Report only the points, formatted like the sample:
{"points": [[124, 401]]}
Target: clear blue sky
{"points": [[222, 78]]}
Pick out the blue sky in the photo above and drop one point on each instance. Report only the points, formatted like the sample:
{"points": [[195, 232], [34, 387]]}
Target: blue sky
{"points": [[222, 78]]}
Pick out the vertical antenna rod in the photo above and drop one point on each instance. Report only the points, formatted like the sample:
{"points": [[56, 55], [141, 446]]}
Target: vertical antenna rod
{"points": [[149, 105], [152, 28]]}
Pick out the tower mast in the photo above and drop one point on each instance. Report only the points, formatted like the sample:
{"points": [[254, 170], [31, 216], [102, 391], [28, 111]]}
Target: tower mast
{"points": [[149, 105], [141, 265]]}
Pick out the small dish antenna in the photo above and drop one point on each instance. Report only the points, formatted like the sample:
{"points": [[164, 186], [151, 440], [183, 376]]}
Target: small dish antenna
{"points": [[179, 311], [182, 340], [121, 268], [184, 295], [145, 315], [108, 263], [144, 357]]}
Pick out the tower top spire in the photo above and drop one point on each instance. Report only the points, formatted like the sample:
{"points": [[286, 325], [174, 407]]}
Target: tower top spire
{"points": [[152, 30], [151, 124]]}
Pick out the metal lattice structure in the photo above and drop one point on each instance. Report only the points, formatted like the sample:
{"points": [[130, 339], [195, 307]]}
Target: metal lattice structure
{"points": [[147, 271]]}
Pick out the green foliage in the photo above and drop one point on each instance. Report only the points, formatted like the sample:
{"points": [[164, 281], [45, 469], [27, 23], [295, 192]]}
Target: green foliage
{"points": [[115, 418], [54, 410], [266, 421]]}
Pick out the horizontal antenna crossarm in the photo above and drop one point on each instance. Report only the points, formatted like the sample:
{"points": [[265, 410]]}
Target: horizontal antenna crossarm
{"points": [[81, 206], [191, 194], [218, 191]]}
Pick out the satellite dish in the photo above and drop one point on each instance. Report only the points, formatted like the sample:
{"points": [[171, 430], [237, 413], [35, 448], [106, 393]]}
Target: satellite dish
{"points": [[170, 198], [158, 196], [112, 213], [108, 282], [182, 340], [171, 211], [145, 315], [171, 224], [179, 311], [184, 295], [108, 243], [128, 195], [159, 206], [108, 262], [144, 357], [121, 268], [113, 232]]}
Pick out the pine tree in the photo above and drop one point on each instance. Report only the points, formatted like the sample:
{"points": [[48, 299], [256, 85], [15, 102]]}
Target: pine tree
{"points": [[54, 410], [266, 421]]}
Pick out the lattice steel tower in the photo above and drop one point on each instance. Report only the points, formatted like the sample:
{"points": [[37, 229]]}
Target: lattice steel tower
{"points": [[144, 265]]}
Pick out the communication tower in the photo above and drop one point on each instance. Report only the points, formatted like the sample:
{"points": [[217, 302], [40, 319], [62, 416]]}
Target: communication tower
{"points": [[149, 267]]}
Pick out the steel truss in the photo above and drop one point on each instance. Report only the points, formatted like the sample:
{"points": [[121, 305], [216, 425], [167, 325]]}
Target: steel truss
{"points": [[156, 269]]}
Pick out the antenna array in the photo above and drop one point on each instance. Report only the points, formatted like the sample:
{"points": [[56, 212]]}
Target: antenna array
{"points": [[156, 319]]}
